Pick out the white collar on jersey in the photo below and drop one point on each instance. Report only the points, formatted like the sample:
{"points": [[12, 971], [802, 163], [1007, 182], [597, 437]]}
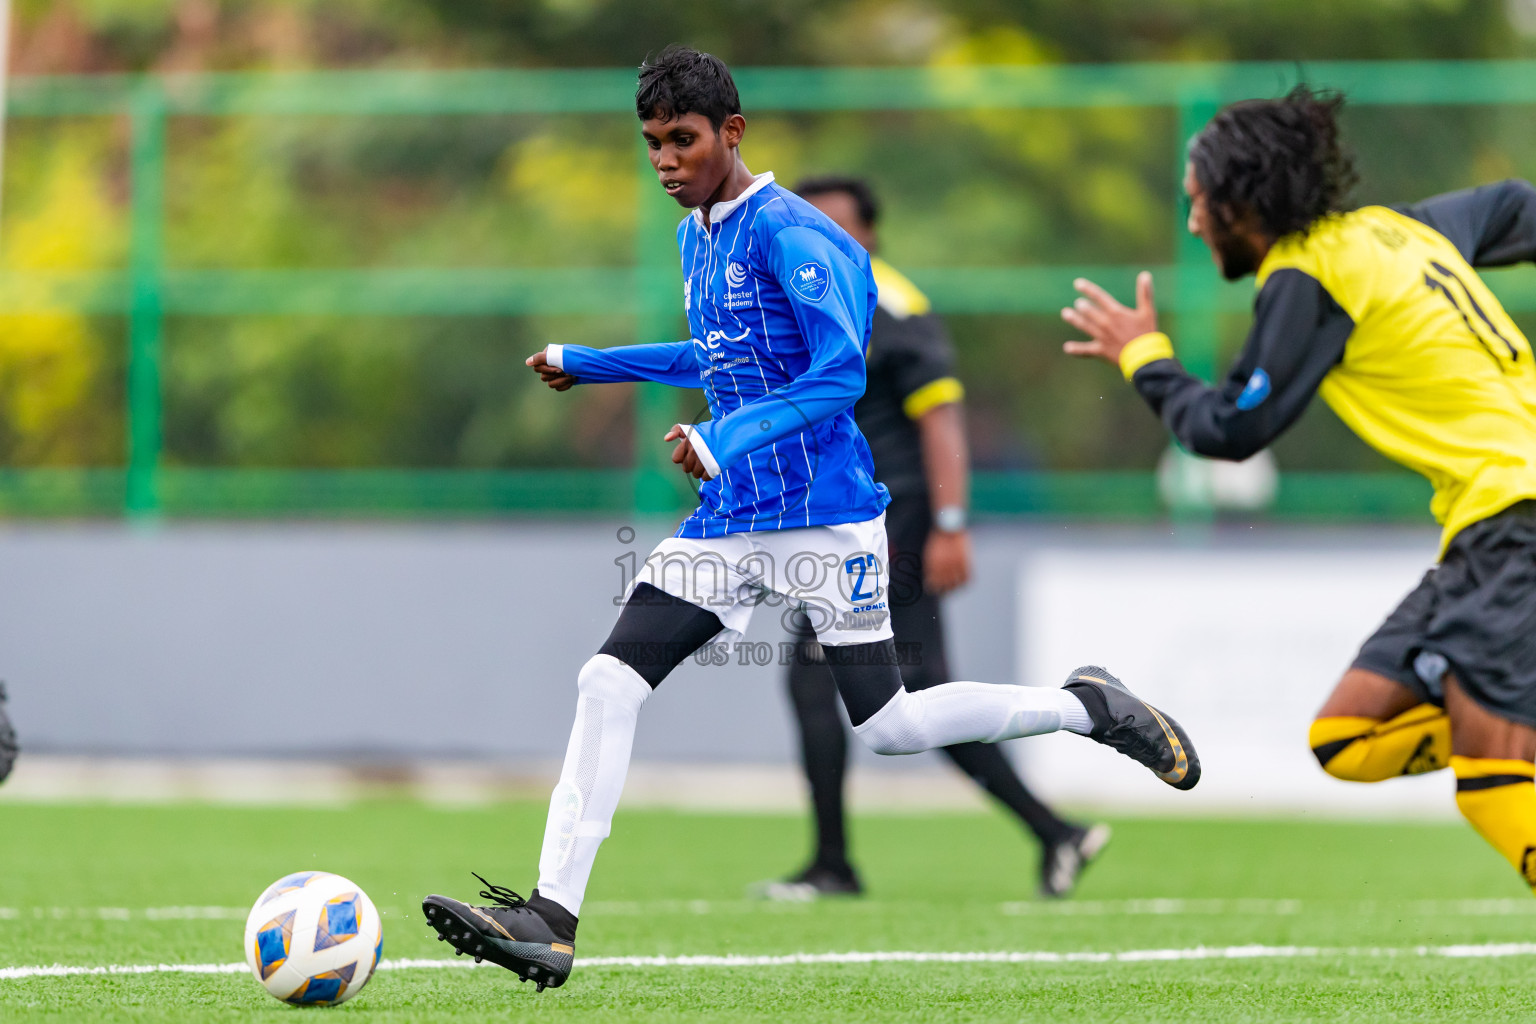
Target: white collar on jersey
{"points": [[722, 211]]}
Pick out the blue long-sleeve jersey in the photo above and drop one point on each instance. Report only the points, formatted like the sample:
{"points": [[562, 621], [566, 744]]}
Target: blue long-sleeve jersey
{"points": [[780, 302]]}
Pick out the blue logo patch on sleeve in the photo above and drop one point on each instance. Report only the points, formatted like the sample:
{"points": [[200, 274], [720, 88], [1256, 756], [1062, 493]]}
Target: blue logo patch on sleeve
{"points": [[1255, 391], [811, 280]]}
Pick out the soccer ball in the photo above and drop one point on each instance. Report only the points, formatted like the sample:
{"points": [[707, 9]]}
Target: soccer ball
{"points": [[313, 938]]}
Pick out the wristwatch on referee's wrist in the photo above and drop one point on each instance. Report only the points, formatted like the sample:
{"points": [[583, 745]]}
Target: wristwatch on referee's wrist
{"points": [[949, 519]]}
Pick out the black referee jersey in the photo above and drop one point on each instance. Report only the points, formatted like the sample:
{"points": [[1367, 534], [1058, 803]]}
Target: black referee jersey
{"points": [[911, 367]]}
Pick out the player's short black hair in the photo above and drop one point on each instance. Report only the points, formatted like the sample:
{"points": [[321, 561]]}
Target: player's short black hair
{"points": [[680, 80], [1282, 159], [863, 195]]}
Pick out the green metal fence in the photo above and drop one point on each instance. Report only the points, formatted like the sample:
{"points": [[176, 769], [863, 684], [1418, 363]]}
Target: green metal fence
{"points": [[149, 291]]}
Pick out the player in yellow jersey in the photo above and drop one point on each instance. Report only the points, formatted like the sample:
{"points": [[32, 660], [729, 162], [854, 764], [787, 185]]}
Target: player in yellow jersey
{"points": [[1381, 312]]}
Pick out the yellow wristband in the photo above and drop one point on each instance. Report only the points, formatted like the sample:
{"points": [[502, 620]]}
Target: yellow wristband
{"points": [[1148, 348]]}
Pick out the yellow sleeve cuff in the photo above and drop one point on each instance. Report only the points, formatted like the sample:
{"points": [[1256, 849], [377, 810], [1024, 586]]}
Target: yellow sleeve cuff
{"points": [[1148, 348], [932, 395]]}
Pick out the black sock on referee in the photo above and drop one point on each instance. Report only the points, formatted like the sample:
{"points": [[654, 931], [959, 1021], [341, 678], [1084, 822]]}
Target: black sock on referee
{"points": [[824, 749], [990, 767]]}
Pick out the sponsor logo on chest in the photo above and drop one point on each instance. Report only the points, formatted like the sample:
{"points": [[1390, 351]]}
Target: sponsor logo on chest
{"points": [[739, 293], [713, 339], [718, 353]]}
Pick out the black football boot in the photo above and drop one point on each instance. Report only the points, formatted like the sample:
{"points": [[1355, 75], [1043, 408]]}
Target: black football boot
{"points": [[533, 938], [811, 884], [1061, 864], [1135, 728]]}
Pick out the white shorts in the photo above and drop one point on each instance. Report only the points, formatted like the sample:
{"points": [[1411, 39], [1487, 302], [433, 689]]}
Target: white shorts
{"points": [[837, 575]]}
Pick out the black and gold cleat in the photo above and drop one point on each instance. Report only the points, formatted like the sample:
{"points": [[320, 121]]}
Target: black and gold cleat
{"points": [[1135, 728], [533, 938]]}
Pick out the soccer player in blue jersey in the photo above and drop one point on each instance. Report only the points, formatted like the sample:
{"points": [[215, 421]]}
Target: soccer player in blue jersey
{"points": [[779, 302]]}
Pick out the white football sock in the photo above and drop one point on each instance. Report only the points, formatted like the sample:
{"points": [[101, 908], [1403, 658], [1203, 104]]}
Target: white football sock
{"points": [[1074, 718], [596, 761], [941, 716]]}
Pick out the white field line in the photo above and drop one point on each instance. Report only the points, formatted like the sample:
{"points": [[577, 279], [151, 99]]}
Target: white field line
{"points": [[1253, 952], [1022, 908], [124, 913], [1264, 908], [61, 970]]}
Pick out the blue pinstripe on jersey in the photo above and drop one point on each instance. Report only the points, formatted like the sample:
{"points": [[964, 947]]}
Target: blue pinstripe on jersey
{"points": [[780, 302], [750, 343]]}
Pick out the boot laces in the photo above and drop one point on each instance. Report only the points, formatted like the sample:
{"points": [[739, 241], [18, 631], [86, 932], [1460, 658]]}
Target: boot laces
{"points": [[499, 894], [1125, 735]]}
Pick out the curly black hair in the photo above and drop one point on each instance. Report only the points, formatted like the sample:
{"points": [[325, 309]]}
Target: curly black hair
{"points": [[680, 80], [1280, 159], [857, 189]]}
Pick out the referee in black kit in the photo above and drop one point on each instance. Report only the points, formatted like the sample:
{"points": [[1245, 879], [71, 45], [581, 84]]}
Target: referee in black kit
{"points": [[911, 414]]}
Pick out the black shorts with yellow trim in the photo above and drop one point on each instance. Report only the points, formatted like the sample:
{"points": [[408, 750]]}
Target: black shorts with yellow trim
{"points": [[1473, 615]]}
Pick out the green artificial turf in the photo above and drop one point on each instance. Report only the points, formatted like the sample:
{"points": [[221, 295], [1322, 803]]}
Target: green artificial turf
{"points": [[77, 884]]}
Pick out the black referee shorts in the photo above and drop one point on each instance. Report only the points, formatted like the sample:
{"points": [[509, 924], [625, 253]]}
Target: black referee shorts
{"points": [[1474, 615]]}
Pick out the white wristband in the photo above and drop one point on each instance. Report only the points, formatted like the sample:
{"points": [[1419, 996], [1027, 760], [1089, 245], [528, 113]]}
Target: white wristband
{"points": [[949, 519], [701, 449], [553, 355]]}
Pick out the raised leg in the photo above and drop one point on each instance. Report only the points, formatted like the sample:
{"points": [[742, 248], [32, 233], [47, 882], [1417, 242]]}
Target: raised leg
{"points": [[1374, 728], [894, 720]]}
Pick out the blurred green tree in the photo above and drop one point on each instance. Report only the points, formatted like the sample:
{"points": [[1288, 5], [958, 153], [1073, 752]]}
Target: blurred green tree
{"points": [[963, 189]]}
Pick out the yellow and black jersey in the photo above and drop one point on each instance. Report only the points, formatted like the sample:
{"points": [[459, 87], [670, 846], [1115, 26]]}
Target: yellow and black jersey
{"points": [[911, 369], [1380, 311]]}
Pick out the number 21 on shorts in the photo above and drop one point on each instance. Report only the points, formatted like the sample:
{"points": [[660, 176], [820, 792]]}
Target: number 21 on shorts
{"points": [[863, 571]]}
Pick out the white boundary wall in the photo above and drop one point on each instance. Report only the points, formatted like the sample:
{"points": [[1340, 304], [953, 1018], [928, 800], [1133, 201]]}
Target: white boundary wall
{"points": [[391, 643], [1241, 646]]}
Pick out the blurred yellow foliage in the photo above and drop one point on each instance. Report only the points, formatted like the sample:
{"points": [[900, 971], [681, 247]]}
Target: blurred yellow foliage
{"points": [[774, 144], [571, 184], [1083, 160], [49, 358], [1000, 44]]}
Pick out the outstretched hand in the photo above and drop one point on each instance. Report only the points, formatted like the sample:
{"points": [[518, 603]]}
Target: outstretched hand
{"points": [[1109, 325], [555, 378], [684, 455]]}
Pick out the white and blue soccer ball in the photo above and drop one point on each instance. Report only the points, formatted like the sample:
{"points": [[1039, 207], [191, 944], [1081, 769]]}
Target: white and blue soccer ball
{"points": [[313, 938]]}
